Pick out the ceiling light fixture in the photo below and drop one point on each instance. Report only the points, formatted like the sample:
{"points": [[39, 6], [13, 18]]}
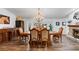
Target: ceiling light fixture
{"points": [[39, 16]]}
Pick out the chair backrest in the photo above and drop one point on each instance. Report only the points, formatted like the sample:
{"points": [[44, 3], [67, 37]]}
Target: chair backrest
{"points": [[19, 31], [44, 34], [60, 30], [34, 34]]}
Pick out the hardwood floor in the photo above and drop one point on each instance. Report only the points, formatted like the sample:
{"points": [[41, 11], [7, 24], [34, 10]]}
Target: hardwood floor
{"points": [[66, 45]]}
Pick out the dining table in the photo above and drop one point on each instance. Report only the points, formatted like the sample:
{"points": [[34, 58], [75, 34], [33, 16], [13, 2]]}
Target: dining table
{"points": [[51, 33]]}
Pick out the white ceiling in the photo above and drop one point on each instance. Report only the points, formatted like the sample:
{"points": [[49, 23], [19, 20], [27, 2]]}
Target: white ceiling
{"points": [[47, 12]]}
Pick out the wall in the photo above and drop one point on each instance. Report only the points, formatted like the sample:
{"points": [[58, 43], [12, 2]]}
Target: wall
{"points": [[48, 21], [73, 20], [12, 18], [71, 17]]}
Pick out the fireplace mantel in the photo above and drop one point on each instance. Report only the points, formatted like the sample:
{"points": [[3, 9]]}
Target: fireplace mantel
{"points": [[73, 25]]}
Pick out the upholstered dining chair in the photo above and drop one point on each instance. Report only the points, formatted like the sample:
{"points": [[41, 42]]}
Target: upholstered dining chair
{"points": [[57, 36], [33, 37], [44, 37], [22, 35]]}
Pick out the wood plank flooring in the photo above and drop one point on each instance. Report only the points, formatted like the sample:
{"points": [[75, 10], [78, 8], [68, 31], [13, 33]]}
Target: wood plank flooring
{"points": [[66, 45]]}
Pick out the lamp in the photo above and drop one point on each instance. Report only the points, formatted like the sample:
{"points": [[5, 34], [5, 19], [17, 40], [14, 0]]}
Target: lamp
{"points": [[19, 18]]}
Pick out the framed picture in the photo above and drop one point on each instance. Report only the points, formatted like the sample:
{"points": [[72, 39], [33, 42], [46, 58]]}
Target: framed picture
{"points": [[63, 23], [4, 19], [76, 16], [57, 23]]}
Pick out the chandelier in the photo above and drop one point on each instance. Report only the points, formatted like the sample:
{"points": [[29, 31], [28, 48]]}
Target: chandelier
{"points": [[39, 16]]}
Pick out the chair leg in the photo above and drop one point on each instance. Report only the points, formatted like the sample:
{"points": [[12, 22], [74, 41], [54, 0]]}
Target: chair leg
{"points": [[34, 44], [46, 44], [54, 39], [30, 44], [39, 44], [61, 39], [42, 43], [25, 41]]}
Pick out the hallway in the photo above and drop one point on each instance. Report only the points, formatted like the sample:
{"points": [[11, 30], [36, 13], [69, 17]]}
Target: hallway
{"points": [[66, 45]]}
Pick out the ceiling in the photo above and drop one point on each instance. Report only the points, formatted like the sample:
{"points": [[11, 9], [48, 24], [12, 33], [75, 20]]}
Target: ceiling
{"points": [[47, 12]]}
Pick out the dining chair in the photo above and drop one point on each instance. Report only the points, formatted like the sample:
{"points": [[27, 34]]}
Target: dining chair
{"points": [[22, 35], [44, 37], [57, 36], [33, 37]]}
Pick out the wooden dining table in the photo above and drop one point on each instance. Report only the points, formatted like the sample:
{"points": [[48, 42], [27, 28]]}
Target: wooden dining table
{"points": [[51, 33]]}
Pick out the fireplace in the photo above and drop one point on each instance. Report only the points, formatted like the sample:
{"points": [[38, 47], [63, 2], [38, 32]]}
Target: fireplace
{"points": [[76, 33]]}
